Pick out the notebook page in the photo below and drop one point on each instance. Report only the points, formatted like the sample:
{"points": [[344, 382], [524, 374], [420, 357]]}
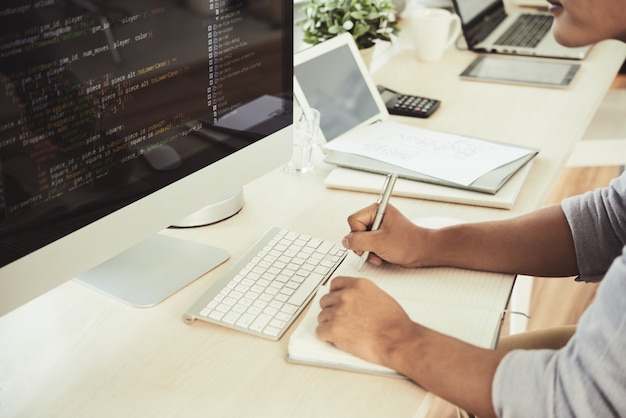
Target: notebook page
{"points": [[438, 285], [452, 301], [472, 325]]}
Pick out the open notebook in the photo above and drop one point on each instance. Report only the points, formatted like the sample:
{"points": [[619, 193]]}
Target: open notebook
{"points": [[332, 78], [460, 303]]}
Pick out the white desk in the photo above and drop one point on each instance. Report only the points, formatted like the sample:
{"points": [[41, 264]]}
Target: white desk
{"points": [[75, 353]]}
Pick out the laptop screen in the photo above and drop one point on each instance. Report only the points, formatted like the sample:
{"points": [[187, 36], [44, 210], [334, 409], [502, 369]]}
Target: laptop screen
{"points": [[468, 10], [332, 83]]}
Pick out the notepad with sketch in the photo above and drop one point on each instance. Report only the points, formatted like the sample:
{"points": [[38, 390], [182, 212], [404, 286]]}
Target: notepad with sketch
{"points": [[332, 78], [461, 303]]}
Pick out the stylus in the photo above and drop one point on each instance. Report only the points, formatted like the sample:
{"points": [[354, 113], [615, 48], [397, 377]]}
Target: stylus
{"points": [[382, 201]]}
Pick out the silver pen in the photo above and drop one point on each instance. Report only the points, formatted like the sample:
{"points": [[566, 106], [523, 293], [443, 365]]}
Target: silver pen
{"points": [[382, 201]]}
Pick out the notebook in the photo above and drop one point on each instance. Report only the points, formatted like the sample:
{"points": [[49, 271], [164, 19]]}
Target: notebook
{"points": [[455, 302], [488, 28], [363, 181], [332, 77]]}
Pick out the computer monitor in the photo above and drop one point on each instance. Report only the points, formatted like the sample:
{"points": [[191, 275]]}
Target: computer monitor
{"points": [[121, 118]]}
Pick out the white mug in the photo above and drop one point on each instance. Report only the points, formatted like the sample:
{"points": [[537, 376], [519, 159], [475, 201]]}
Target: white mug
{"points": [[434, 30]]}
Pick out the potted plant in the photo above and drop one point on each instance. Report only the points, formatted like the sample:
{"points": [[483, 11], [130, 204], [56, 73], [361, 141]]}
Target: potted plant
{"points": [[366, 20]]}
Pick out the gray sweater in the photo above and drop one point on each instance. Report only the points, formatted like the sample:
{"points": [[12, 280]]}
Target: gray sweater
{"points": [[587, 378]]}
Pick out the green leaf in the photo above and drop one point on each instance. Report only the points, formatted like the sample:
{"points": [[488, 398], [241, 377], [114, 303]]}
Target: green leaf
{"points": [[366, 20]]}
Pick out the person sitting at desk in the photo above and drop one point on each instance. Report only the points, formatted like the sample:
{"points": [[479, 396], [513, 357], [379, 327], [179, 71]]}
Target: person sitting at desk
{"points": [[584, 375]]}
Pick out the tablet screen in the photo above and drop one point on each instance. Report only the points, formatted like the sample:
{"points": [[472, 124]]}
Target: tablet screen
{"points": [[521, 71], [333, 84]]}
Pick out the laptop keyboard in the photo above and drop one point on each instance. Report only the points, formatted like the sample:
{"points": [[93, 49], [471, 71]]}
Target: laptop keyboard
{"points": [[527, 31]]}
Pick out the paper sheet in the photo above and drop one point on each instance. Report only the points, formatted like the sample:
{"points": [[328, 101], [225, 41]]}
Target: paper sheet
{"points": [[450, 157]]}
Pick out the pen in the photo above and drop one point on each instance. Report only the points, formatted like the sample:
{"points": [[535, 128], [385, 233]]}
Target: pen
{"points": [[382, 201]]}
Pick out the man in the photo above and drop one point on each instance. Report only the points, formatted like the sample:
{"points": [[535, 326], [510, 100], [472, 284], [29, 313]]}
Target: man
{"points": [[584, 236]]}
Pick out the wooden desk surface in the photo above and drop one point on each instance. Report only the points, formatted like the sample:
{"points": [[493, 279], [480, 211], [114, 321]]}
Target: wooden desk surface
{"points": [[75, 353], [552, 120]]}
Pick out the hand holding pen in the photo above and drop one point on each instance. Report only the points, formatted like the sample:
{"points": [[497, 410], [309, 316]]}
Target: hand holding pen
{"points": [[382, 201]]}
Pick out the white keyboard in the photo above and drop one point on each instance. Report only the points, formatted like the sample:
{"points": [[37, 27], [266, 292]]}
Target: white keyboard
{"points": [[265, 291]]}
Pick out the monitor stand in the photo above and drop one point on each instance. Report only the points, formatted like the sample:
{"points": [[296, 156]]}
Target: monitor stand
{"points": [[161, 265], [219, 210]]}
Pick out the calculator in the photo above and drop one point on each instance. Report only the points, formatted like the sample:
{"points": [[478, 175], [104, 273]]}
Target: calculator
{"points": [[406, 104]]}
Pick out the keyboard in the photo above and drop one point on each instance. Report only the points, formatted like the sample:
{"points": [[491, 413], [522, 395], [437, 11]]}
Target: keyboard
{"points": [[527, 31], [269, 286]]}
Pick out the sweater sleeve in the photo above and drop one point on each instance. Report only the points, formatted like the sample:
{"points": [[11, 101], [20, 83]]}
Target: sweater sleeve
{"points": [[587, 378], [597, 220]]}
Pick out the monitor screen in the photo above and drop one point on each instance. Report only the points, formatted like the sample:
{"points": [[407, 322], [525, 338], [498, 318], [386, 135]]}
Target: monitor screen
{"points": [[112, 110]]}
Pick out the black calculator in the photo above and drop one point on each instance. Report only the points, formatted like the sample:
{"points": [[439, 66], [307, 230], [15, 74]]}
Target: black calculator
{"points": [[408, 105]]}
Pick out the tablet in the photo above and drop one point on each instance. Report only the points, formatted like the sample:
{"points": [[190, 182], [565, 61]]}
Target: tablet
{"points": [[523, 71]]}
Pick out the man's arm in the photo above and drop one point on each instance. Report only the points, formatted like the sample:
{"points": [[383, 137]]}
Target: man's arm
{"points": [[539, 243]]}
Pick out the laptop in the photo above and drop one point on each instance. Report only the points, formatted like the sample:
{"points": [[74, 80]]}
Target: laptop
{"points": [[540, 4], [332, 77], [488, 28]]}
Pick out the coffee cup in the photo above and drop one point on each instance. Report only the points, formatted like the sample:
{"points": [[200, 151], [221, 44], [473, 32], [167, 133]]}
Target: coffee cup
{"points": [[434, 31]]}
